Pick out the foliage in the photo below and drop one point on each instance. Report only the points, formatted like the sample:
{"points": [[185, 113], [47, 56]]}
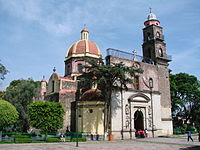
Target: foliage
{"points": [[53, 139], [20, 93], [3, 71], [47, 116], [8, 114], [2, 94], [79, 139], [185, 95], [108, 78]]}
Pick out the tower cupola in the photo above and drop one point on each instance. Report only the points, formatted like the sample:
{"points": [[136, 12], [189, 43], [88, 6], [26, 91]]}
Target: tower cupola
{"points": [[151, 20]]}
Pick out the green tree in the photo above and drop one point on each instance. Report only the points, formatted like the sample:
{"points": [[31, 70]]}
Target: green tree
{"points": [[8, 114], [185, 95], [47, 116], [2, 94], [20, 93], [108, 78], [3, 71]]}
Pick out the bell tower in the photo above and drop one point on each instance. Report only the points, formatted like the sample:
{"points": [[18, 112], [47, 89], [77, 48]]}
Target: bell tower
{"points": [[153, 46]]}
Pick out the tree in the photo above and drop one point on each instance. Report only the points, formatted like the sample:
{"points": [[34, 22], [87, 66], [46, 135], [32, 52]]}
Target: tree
{"points": [[8, 114], [108, 78], [3, 71], [20, 93], [185, 95], [47, 116]]}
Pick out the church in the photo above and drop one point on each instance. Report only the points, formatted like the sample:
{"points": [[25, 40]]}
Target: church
{"points": [[146, 105]]}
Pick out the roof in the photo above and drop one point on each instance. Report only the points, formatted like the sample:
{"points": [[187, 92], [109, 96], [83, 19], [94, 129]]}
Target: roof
{"points": [[92, 95], [83, 48]]}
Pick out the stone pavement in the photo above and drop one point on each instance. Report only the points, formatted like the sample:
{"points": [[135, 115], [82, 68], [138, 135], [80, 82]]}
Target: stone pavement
{"points": [[137, 144]]}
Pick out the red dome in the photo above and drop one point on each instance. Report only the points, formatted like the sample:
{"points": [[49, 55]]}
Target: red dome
{"points": [[84, 30], [84, 48], [92, 95]]}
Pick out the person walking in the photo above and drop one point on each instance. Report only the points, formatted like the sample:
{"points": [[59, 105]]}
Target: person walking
{"points": [[190, 136], [199, 135]]}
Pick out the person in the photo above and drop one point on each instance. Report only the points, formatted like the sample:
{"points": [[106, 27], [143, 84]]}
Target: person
{"points": [[67, 129], [190, 136], [146, 132], [199, 135], [62, 137]]}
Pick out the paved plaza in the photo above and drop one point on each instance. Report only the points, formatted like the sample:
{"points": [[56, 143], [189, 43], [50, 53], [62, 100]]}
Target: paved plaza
{"points": [[173, 143]]}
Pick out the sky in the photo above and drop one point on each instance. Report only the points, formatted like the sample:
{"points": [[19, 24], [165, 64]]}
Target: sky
{"points": [[36, 34]]}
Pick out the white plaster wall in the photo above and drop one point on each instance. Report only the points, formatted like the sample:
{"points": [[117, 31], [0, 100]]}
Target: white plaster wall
{"points": [[157, 112], [116, 112], [167, 128], [117, 117], [166, 112]]}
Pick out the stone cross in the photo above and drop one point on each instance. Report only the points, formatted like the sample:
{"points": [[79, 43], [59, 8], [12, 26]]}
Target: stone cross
{"points": [[134, 55]]}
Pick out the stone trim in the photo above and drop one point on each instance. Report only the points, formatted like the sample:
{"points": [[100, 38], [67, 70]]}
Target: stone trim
{"points": [[166, 119], [147, 99]]}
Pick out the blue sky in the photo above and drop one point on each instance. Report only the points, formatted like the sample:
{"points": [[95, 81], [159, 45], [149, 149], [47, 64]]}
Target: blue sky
{"points": [[35, 34]]}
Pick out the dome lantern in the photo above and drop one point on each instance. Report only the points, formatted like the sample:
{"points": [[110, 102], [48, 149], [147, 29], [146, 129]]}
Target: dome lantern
{"points": [[84, 34]]}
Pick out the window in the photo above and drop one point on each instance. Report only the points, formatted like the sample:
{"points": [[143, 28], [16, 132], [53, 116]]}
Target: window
{"points": [[68, 69], [136, 82], [158, 34], [90, 110], [80, 68], [148, 36], [160, 52], [53, 83], [149, 53]]}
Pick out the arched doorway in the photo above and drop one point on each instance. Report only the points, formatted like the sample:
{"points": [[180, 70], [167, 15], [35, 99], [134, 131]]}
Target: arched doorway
{"points": [[138, 120]]}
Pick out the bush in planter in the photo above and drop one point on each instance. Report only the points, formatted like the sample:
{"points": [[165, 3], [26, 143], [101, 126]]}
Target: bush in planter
{"points": [[179, 130], [79, 139], [53, 139], [23, 140]]}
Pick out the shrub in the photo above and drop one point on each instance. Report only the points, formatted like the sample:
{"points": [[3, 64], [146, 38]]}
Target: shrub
{"points": [[23, 140], [8, 114], [53, 139], [79, 139]]}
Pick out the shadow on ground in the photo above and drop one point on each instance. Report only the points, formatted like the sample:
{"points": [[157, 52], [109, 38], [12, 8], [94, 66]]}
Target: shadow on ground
{"points": [[191, 148]]}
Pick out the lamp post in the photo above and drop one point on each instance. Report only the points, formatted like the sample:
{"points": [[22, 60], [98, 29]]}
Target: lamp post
{"points": [[77, 123], [151, 87]]}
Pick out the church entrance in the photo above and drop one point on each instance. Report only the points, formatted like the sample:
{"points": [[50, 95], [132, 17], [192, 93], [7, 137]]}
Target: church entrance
{"points": [[138, 120]]}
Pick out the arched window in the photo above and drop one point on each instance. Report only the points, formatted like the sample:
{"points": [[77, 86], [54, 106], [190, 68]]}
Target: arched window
{"points": [[68, 69], [158, 34], [149, 53], [148, 36], [80, 68], [136, 82], [160, 52], [53, 84]]}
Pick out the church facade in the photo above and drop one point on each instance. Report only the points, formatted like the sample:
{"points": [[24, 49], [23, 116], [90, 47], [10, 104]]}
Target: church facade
{"points": [[146, 105]]}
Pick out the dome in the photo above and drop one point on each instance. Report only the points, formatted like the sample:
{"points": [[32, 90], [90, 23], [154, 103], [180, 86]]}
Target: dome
{"points": [[151, 16], [151, 20], [84, 47], [92, 95]]}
